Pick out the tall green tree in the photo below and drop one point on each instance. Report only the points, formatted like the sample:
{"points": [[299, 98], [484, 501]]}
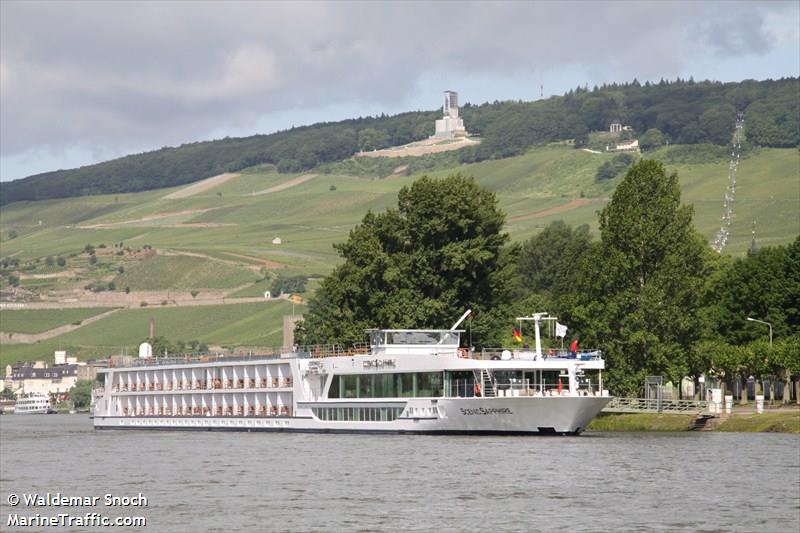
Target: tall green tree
{"points": [[764, 285], [81, 394], [549, 262], [420, 265], [640, 295]]}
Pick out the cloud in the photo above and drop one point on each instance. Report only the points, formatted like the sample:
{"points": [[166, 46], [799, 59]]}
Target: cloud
{"points": [[111, 75]]}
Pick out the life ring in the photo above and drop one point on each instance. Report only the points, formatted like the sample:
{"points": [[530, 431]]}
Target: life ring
{"points": [[463, 353]]}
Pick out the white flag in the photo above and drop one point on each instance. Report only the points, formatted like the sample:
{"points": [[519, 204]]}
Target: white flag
{"points": [[561, 330]]}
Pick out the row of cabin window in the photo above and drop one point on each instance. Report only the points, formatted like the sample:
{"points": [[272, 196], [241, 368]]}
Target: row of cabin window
{"points": [[393, 385]]}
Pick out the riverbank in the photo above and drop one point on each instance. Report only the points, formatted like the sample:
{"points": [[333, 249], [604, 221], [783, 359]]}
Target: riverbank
{"points": [[784, 420]]}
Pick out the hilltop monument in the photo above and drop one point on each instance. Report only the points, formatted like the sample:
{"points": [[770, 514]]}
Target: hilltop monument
{"points": [[450, 125]]}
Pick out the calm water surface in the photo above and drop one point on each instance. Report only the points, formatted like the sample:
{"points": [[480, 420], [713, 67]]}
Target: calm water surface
{"points": [[209, 481]]}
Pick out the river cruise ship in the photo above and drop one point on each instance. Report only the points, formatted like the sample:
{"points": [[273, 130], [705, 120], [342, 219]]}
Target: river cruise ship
{"points": [[403, 381], [33, 404]]}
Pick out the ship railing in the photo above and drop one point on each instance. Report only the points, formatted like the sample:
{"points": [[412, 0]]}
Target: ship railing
{"points": [[317, 351], [528, 354], [469, 388], [205, 358]]}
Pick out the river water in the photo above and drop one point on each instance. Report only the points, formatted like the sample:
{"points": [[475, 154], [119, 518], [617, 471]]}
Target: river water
{"points": [[210, 481]]}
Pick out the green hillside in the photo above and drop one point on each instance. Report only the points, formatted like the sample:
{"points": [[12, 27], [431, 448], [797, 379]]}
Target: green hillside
{"points": [[545, 184], [253, 324], [232, 230]]}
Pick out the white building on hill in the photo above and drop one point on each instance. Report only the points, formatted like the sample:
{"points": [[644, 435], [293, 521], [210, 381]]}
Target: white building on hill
{"points": [[450, 125]]}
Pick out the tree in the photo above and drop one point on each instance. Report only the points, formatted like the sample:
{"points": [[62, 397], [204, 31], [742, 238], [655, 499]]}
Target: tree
{"points": [[81, 394], [548, 262], [372, 139], [639, 296], [618, 165], [288, 285], [439, 253], [764, 285], [651, 139], [7, 394]]}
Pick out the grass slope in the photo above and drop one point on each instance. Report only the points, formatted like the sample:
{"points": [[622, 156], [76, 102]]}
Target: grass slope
{"points": [[311, 216], [251, 324], [786, 420], [39, 320], [181, 272], [641, 422]]}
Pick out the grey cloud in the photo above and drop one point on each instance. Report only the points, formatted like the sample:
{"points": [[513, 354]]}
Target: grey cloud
{"points": [[114, 74]]}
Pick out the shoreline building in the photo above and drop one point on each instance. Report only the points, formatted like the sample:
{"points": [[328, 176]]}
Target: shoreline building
{"points": [[38, 377], [450, 125]]}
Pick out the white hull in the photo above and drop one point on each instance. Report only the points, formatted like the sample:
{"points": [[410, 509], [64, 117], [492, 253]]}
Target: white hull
{"points": [[543, 415]]}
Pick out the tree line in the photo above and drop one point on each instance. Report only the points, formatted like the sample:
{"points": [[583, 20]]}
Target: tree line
{"points": [[680, 111], [650, 292]]}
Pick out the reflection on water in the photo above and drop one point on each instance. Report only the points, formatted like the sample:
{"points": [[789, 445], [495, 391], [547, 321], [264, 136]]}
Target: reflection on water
{"points": [[209, 481]]}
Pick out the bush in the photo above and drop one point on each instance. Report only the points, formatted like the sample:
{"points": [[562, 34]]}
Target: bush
{"points": [[61, 262], [288, 285], [97, 287], [617, 166]]}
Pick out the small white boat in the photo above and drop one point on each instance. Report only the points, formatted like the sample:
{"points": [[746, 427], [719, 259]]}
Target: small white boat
{"points": [[33, 404]]}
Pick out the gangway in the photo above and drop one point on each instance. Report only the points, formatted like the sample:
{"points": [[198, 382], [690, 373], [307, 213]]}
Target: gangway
{"points": [[655, 405]]}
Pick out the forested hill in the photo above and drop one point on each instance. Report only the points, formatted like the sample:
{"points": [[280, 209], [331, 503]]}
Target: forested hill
{"points": [[677, 111]]}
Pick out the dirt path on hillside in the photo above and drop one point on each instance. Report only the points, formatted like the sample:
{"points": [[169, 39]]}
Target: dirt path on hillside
{"points": [[30, 338], [201, 186], [150, 218], [266, 262], [134, 301], [416, 149], [286, 184], [64, 274], [255, 268], [569, 206]]}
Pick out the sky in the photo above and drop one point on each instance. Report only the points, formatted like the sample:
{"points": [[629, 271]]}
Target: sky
{"points": [[84, 82]]}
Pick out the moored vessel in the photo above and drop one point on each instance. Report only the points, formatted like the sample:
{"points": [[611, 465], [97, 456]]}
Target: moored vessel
{"points": [[402, 381], [33, 404]]}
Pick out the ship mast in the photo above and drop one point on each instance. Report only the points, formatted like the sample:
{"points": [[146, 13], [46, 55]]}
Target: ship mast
{"points": [[536, 317]]}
